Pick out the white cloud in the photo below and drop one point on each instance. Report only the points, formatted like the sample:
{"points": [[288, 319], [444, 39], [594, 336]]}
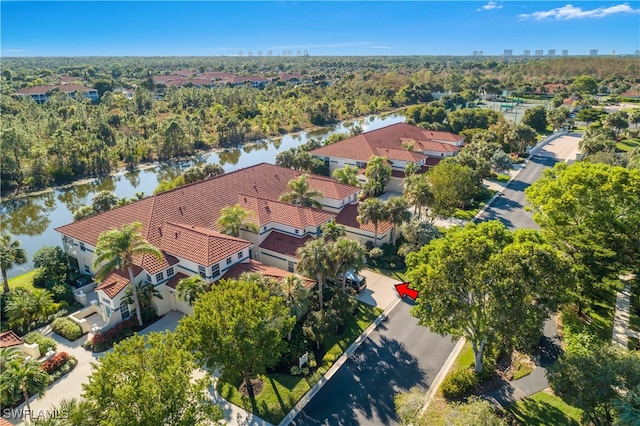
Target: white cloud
{"points": [[569, 11], [12, 50], [490, 6]]}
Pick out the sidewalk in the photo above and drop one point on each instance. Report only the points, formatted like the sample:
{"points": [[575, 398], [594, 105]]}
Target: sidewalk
{"points": [[621, 331]]}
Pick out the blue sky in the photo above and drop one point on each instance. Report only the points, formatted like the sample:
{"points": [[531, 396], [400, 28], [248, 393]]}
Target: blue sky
{"points": [[204, 28]]}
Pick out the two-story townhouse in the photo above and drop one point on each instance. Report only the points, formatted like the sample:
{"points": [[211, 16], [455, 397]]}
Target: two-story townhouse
{"points": [[399, 143], [40, 94], [182, 223]]}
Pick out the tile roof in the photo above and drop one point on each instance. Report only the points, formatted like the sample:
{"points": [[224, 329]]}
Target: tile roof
{"points": [[36, 90], [387, 142], [254, 266], [284, 244], [173, 282], [199, 205], [117, 280], [269, 211], [9, 338], [200, 245], [348, 217]]}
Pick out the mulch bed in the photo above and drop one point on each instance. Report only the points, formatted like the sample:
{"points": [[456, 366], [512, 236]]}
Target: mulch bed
{"points": [[257, 384]]}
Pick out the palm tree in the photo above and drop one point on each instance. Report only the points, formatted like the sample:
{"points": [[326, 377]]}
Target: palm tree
{"points": [[299, 193], [190, 288], [146, 292], [10, 254], [371, 188], [372, 210], [397, 212], [379, 170], [43, 304], [295, 296], [315, 260], [20, 309], [116, 248], [417, 192], [331, 230], [77, 412], [233, 219], [7, 355], [25, 378], [411, 169], [348, 255], [347, 175]]}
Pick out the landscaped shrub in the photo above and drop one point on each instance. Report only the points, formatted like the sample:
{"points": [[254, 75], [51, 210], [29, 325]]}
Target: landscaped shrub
{"points": [[66, 328], [52, 365], [459, 384], [104, 340], [45, 343]]}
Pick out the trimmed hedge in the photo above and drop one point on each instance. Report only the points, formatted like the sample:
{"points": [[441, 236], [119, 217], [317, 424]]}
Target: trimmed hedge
{"points": [[459, 384], [44, 343], [67, 328]]}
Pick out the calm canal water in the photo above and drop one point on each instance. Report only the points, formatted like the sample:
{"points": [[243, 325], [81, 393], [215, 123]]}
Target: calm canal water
{"points": [[32, 219]]}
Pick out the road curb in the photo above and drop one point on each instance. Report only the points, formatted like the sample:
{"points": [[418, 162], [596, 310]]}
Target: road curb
{"points": [[336, 365], [442, 373], [532, 152]]}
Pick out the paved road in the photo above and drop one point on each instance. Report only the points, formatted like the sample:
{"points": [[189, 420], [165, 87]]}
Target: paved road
{"points": [[509, 208], [398, 355]]}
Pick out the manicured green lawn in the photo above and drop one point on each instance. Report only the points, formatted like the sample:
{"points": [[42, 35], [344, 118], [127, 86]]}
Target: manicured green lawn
{"points": [[24, 280], [501, 178], [545, 409], [466, 359], [281, 392], [628, 144], [400, 274]]}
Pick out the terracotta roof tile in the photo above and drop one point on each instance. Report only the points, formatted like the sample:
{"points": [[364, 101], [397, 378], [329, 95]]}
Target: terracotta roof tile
{"points": [[9, 339], [199, 205], [254, 266], [387, 142], [269, 211], [200, 245], [173, 282], [117, 280], [35, 90], [348, 217], [284, 244]]}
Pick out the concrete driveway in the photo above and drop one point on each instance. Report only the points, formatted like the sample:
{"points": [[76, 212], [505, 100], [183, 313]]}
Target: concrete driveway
{"points": [[380, 290], [70, 385]]}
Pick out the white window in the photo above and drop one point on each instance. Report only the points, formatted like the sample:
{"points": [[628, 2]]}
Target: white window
{"points": [[297, 231], [202, 271], [82, 247], [170, 272], [124, 310], [148, 278], [87, 269], [239, 255], [228, 261], [291, 266], [159, 276], [215, 270]]}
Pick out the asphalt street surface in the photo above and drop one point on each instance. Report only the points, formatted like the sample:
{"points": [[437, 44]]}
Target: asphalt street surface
{"points": [[397, 356], [509, 206]]}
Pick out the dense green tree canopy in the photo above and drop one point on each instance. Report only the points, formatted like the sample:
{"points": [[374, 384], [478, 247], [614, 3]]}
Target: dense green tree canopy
{"points": [[487, 284], [237, 327], [148, 380], [453, 185], [591, 212]]}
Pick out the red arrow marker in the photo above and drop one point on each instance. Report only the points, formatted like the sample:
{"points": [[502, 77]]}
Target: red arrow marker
{"points": [[404, 290]]}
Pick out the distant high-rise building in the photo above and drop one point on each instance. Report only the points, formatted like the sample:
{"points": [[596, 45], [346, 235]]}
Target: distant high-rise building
{"points": [[475, 53], [249, 53], [269, 53], [259, 52], [480, 53], [637, 52], [565, 52], [552, 52], [508, 52], [527, 52], [539, 52], [613, 53], [240, 53], [593, 52]]}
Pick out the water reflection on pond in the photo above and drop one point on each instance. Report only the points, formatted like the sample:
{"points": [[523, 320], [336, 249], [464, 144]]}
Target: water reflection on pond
{"points": [[33, 219]]}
